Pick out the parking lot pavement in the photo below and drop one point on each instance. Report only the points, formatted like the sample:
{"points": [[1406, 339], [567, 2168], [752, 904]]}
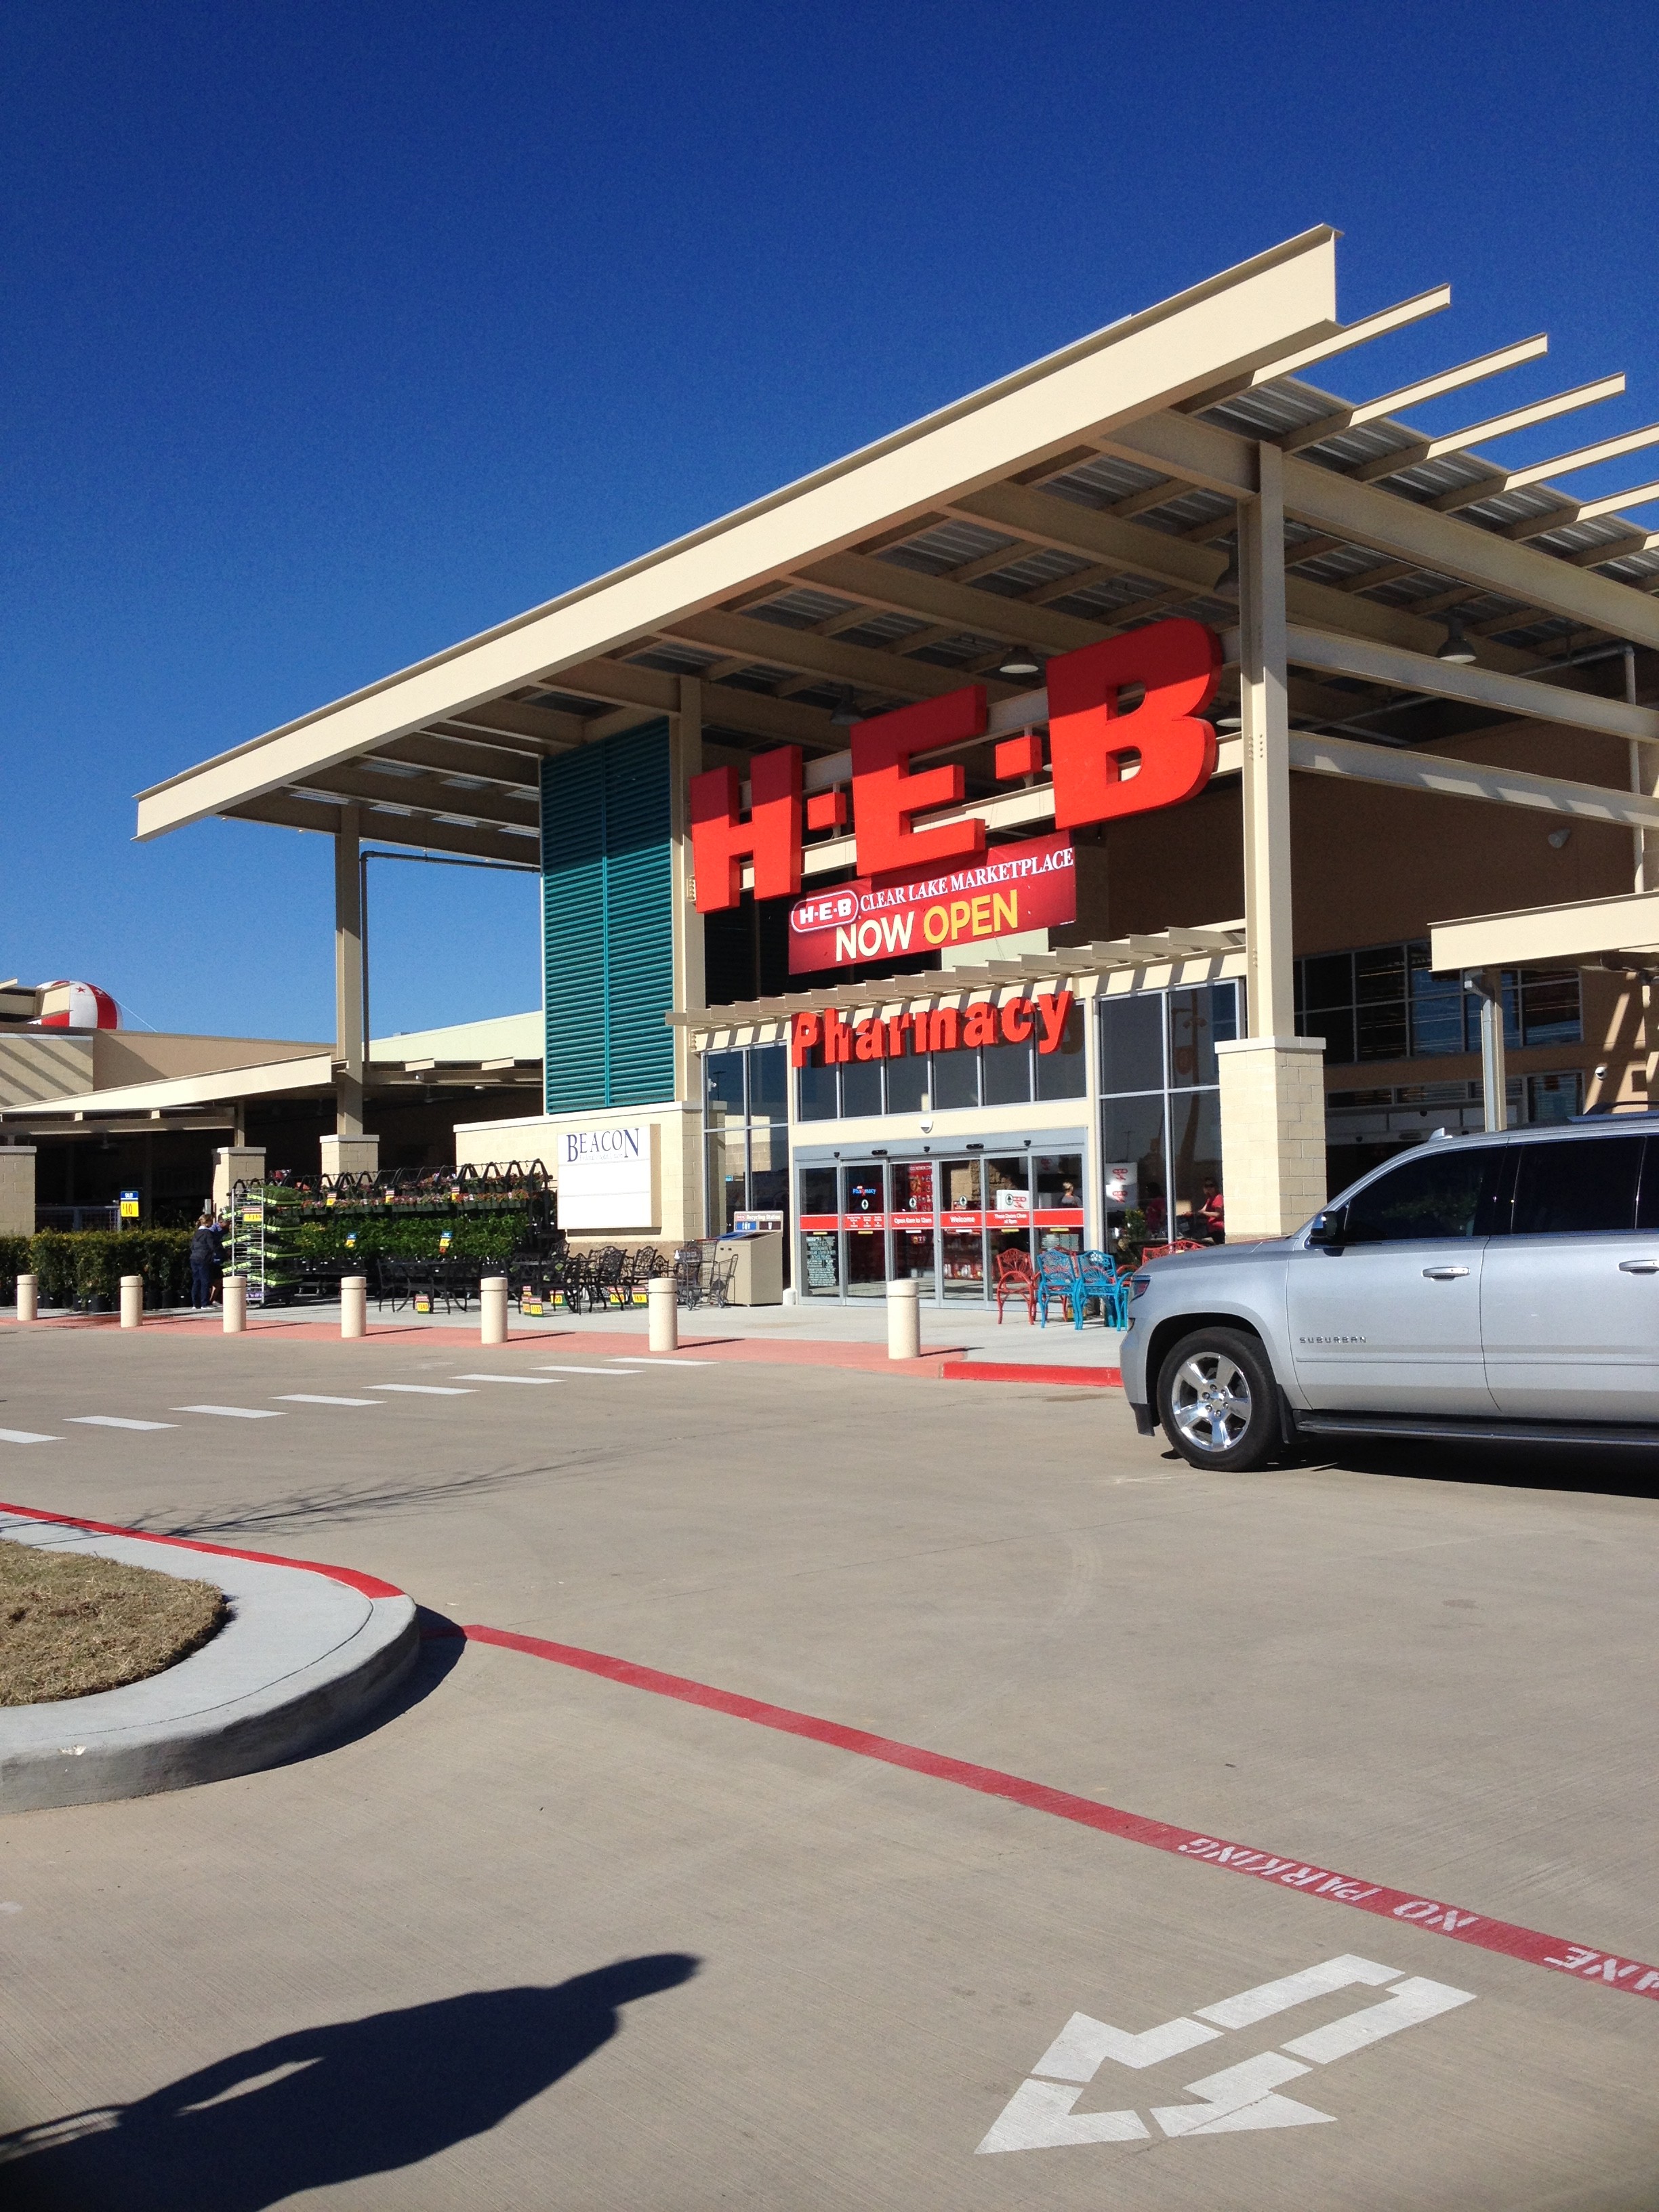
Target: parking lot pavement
{"points": [[548, 1935]]}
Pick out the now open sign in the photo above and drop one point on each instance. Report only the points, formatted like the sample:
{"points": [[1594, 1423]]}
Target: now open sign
{"points": [[1014, 888]]}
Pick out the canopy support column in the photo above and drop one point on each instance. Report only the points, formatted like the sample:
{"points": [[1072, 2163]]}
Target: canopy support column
{"points": [[349, 1152], [1272, 1090]]}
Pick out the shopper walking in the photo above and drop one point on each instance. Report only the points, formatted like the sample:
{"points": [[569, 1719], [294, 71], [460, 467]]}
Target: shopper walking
{"points": [[204, 1248]]}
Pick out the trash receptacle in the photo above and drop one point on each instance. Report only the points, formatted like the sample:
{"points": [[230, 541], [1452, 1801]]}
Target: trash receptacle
{"points": [[758, 1280]]}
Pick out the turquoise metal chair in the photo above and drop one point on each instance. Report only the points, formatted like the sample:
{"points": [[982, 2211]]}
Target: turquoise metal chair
{"points": [[1056, 1276], [1098, 1277]]}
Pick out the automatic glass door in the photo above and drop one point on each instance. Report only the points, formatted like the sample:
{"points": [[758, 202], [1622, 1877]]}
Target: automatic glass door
{"points": [[961, 1229]]}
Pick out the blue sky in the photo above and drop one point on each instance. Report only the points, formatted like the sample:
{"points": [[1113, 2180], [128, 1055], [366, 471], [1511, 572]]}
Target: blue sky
{"points": [[332, 335]]}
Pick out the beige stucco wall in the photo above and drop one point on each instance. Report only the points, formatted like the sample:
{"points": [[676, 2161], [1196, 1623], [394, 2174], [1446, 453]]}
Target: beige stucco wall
{"points": [[16, 1190], [477, 1144], [37, 1064], [1273, 1134]]}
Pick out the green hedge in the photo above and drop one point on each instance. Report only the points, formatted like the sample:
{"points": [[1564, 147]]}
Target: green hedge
{"points": [[76, 1265], [493, 1235]]}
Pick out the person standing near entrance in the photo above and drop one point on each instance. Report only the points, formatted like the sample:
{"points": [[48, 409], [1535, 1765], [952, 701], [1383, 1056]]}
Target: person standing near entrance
{"points": [[1212, 1212], [204, 1250]]}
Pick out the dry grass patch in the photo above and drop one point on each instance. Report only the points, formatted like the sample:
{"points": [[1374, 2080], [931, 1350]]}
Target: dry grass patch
{"points": [[71, 1624]]}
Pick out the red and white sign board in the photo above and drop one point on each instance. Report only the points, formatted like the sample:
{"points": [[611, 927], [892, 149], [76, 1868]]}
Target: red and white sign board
{"points": [[1014, 888]]}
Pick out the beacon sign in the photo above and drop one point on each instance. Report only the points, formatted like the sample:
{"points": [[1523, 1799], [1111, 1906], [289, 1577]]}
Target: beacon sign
{"points": [[920, 887]]}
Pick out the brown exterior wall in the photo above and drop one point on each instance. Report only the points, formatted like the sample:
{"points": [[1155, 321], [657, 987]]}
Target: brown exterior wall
{"points": [[1373, 865]]}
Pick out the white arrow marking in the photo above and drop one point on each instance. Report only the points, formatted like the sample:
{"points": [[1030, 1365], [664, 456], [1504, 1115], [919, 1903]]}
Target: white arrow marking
{"points": [[1269, 1997], [1405, 2004], [1039, 2116], [1239, 2099], [1077, 2052]]}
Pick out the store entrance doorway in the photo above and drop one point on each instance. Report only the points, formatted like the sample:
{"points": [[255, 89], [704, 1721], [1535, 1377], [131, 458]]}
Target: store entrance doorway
{"points": [[940, 1219]]}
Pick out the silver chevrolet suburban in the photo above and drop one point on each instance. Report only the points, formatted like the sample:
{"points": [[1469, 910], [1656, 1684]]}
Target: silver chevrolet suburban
{"points": [[1503, 1286]]}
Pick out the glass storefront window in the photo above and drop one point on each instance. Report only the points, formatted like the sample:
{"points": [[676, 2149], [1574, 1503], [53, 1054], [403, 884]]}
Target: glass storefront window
{"points": [[860, 1088], [1132, 1043], [1057, 1194], [1132, 1159], [1005, 1074], [907, 1083], [1196, 1153], [1161, 1141], [768, 1081], [1063, 1073], [1000, 1074], [956, 1079], [727, 1186], [816, 1100], [746, 1137], [1384, 1002], [723, 1086], [1008, 1205], [769, 1168], [1198, 1021], [820, 1224]]}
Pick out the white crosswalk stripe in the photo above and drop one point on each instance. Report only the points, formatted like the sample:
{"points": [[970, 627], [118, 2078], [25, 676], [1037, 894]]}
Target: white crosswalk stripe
{"points": [[566, 1370], [233, 1413], [116, 1421], [25, 1437], [535, 1381], [424, 1389], [310, 1398]]}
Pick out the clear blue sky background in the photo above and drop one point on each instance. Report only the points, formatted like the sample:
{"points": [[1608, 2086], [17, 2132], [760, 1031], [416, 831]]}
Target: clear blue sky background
{"points": [[332, 335]]}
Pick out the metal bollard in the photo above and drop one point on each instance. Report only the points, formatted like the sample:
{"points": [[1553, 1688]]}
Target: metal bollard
{"points": [[354, 1305], [492, 1309], [28, 1297], [904, 1319], [664, 1314], [132, 1301], [235, 1305]]}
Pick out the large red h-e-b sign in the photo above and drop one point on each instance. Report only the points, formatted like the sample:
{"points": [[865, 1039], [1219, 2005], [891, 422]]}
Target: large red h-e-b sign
{"points": [[1106, 762]]}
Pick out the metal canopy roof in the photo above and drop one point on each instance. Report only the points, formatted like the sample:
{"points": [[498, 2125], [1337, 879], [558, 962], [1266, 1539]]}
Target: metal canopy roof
{"points": [[1092, 492]]}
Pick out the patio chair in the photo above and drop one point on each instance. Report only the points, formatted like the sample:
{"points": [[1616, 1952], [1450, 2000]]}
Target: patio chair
{"points": [[1015, 1277], [1056, 1272], [688, 1276], [608, 1281], [1098, 1277]]}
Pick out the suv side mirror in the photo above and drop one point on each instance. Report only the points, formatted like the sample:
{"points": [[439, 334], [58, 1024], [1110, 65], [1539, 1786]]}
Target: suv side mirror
{"points": [[1328, 1227]]}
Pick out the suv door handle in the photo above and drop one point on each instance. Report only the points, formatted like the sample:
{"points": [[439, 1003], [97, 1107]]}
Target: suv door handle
{"points": [[1639, 1267], [1444, 1274]]}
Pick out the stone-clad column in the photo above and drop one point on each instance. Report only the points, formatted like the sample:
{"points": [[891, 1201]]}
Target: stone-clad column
{"points": [[1272, 1082]]}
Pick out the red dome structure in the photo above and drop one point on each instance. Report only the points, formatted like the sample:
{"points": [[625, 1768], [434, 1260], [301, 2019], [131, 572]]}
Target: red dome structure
{"points": [[70, 1005]]}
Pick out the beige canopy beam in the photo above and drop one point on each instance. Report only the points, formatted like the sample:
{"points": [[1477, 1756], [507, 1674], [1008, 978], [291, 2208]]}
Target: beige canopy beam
{"points": [[1582, 931]]}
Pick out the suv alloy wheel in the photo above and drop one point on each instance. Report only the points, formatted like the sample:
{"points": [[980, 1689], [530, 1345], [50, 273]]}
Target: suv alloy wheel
{"points": [[1217, 1401]]}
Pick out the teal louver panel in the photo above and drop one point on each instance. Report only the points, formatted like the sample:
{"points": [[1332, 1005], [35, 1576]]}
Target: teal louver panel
{"points": [[607, 930]]}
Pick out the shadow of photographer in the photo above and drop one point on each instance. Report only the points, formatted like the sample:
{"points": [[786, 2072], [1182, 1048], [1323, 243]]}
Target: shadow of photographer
{"points": [[328, 2105]]}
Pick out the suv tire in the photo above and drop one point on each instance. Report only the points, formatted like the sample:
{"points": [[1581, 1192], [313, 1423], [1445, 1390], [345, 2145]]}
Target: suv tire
{"points": [[1218, 1401]]}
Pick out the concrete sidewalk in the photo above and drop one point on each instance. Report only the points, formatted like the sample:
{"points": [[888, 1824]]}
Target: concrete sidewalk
{"points": [[968, 1336]]}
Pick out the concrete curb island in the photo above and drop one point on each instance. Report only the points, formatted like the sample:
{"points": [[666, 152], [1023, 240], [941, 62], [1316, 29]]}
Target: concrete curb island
{"points": [[307, 1651]]}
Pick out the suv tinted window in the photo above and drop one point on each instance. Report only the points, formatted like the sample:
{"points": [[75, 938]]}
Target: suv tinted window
{"points": [[1576, 1186], [1436, 1193]]}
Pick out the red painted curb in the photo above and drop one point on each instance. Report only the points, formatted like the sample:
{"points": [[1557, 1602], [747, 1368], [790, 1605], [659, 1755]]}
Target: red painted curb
{"points": [[996, 1370], [1632, 1976], [370, 1585]]}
